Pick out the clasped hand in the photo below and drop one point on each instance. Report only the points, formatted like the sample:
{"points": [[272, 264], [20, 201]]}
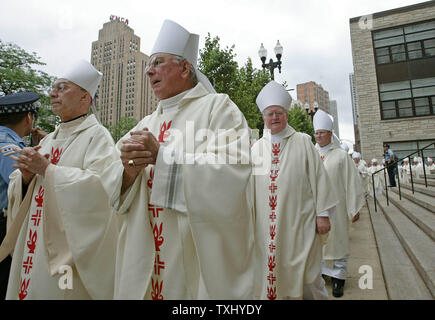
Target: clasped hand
{"points": [[30, 162], [142, 148]]}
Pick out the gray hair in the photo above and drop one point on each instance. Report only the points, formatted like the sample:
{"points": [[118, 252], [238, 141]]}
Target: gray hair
{"points": [[193, 76]]}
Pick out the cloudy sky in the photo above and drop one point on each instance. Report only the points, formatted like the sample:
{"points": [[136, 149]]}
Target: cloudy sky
{"points": [[314, 33]]}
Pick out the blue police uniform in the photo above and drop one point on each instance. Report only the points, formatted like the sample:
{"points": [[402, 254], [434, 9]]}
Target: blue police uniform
{"points": [[9, 140]]}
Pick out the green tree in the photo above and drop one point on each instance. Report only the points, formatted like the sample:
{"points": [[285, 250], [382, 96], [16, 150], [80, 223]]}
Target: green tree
{"points": [[124, 125], [241, 84], [219, 65], [300, 120], [17, 73]]}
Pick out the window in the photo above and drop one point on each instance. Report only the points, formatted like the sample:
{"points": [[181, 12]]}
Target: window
{"points": [[410, 98], [405, 43]]}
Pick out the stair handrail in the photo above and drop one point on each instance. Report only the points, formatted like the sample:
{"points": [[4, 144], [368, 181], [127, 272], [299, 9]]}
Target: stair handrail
{"points": [[394, 164]]}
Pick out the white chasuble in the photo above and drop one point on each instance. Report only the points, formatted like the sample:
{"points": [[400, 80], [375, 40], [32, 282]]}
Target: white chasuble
{"points": [[187, 232], [286, 200], [348, 188], [66, 246], [378, 179]]}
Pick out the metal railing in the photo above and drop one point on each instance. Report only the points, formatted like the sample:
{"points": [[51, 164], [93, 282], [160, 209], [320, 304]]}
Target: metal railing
{"points": [[394, 164]]}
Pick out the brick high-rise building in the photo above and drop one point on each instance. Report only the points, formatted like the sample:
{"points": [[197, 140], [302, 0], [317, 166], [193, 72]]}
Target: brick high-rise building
{"points": [[124, 90], [314, 95]]}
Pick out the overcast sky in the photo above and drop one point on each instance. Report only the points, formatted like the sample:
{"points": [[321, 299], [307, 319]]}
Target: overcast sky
{"points": [[314, 33]]}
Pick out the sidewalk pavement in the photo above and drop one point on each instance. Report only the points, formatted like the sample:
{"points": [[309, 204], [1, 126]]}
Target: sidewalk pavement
{"points": [[363, 253]]}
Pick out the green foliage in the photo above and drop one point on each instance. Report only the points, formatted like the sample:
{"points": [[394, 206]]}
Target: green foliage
{"points": [[300, 120], [18, 74], [124, 125], [241, 84]]}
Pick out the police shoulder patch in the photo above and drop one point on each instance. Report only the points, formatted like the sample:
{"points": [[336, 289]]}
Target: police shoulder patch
{"points": [[8, 149]]}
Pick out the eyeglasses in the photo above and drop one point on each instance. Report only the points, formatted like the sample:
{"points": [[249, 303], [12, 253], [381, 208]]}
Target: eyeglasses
{"points": [[59, 87], [270, 114], [157, 61], [321, 133]]}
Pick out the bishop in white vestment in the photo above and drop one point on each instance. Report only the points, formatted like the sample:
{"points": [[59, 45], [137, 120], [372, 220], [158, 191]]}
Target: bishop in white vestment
{"points": [[350, 192], [61, 230], [291, 199], [180, 187]]}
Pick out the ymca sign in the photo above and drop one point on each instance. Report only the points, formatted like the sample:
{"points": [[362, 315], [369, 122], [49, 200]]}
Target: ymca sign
{"points": [[112, 17]]}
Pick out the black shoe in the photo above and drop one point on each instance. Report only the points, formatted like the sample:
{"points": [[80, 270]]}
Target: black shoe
{"points": [[337, 287]]}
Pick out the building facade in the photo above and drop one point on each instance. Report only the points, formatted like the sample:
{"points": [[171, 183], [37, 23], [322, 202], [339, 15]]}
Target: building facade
{"points": [[353, 95], [394, 66], [125, 90], [313, 97], [334, 112]]}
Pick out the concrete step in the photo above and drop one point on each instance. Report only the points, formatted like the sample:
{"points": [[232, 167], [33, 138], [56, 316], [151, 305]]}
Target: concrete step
{"points": [[421, 181], [423, 200], [421, 216], [402, 279], [417, 244], [429, 190], [428, 176]]}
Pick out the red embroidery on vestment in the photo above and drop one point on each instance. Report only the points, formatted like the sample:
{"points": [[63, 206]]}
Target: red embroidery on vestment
{"points": [[164, 133], [272, 263], [31, 244], [23, 289], [157, 286], [271, 293], [55, 155]]}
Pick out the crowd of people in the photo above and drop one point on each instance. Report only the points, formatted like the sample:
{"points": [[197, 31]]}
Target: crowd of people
{"points": [[181, 207]]}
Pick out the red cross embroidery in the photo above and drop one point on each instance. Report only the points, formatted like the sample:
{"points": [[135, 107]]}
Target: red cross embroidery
{"points": [[164, 133], [323, 158], [272, 217], [271, 293], [27, 265], [271, 278], [36, 218], [157, 287], [271, 247], [155, 210], [158, 265], [275, 161], [273, 188]]}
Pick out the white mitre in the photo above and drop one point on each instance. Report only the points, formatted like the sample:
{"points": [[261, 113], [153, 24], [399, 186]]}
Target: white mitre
{"points": [[356, 155], [84, 75], [273, 94], [322, 121], [174, 39]]}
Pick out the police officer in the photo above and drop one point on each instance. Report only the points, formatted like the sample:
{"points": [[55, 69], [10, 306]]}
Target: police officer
{"points": [[17, 114]]}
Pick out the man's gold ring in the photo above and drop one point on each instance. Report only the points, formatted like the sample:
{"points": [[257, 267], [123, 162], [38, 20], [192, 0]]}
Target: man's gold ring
{"points": [[131, 163]]}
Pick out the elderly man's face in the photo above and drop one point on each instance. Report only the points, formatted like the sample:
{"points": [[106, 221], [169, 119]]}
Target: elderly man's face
{"points": [[356, 160], [66, 98], [167, 75], [275, 118], [323, 137]]}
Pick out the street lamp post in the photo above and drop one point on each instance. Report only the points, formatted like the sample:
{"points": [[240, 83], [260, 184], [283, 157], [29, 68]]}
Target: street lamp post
{"points": [[262, 52]]}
